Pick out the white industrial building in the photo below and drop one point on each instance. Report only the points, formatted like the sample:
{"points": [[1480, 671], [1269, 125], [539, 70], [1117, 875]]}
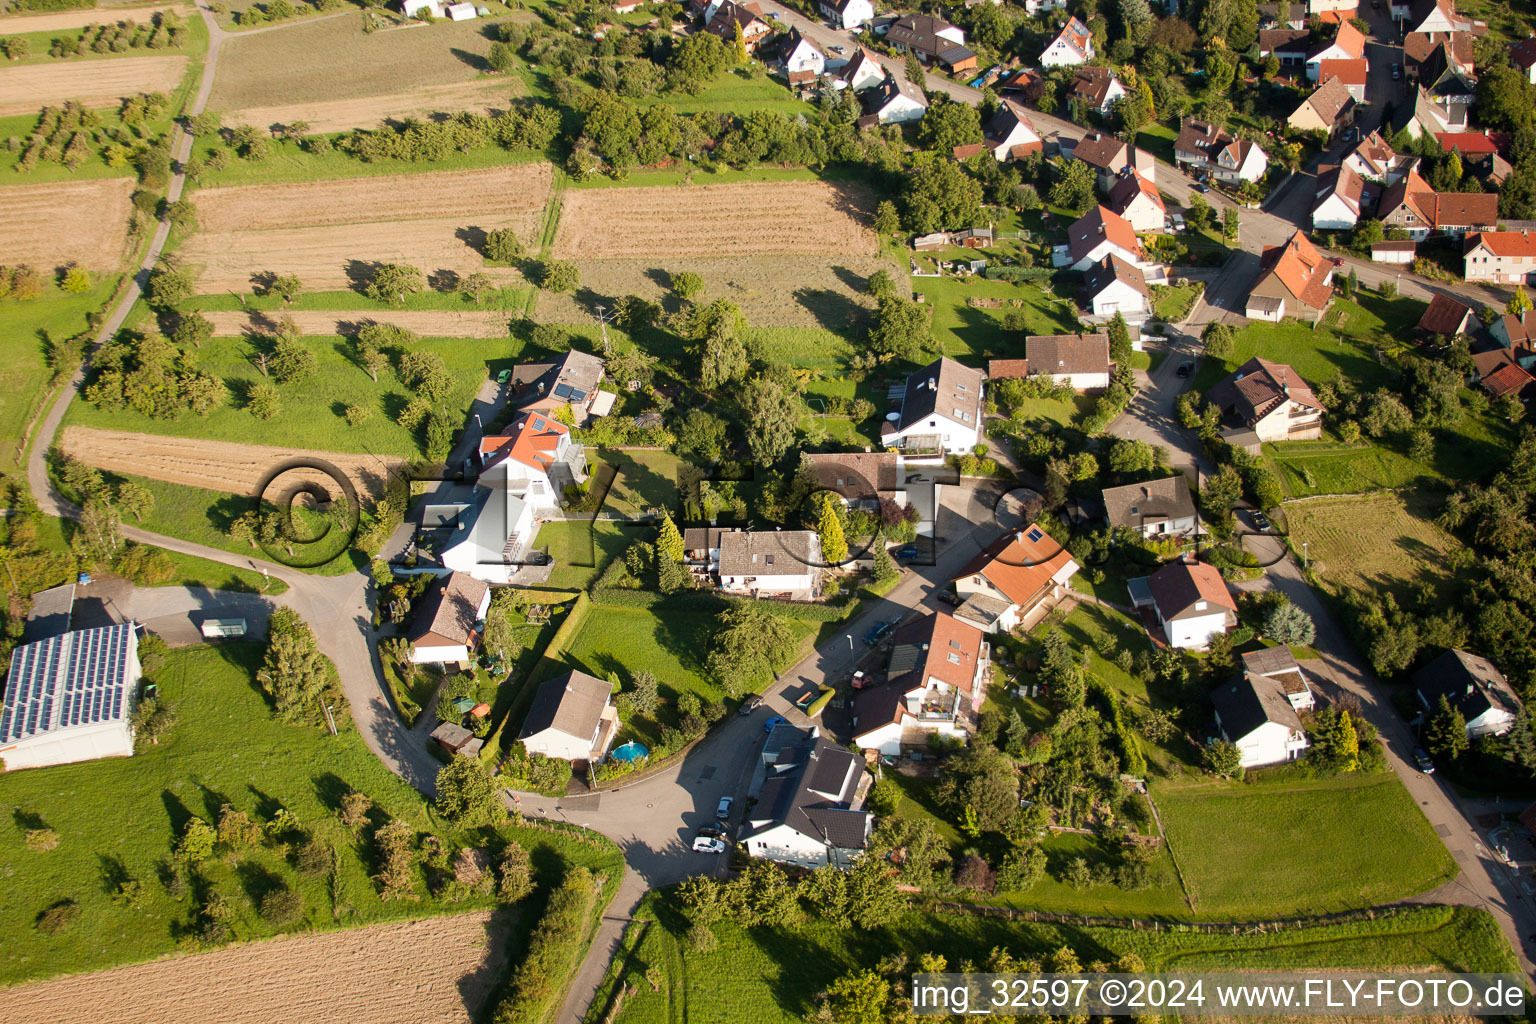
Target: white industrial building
{"points": [[71, 698]]}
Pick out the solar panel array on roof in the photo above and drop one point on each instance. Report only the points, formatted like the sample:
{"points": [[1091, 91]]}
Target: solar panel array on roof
{"points": [[85, 673], [1034, 533], [569, 392]]}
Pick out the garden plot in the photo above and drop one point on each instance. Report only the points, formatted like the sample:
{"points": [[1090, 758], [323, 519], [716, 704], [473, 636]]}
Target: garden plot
{"points": [[1367, 542], [772, 291], [81, 222], [59, 21], [480, 97], [428, 323], [95, 83], [452, 964], [791, 218], [217, 465]]}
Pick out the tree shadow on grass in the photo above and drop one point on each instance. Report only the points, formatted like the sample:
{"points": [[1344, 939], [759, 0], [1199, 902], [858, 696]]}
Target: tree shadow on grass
{"points": [[114, 873], [257, 881], [28, 821], [833, 310], [176, 811], [474, 60]]}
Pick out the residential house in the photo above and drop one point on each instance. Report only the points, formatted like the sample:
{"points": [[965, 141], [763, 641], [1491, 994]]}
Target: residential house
{"points": [[574, 380], [1289, 45], [1269, 18], [1487, 363], [1394, 252], [1015, 580], [1294, 280], [1418, 46], [1374, 160], [1446, 317], [730, 16], [1329, 108], [866, 479], [1096, 88], [1523, 53], [1204, 149], [1412, 205], [863, 71], [934, 40], [1347, 44], [1271, 400], [1258, 712], [1509, 379], [1071, 47], [1115, 286], [771, 563], [941, 411], [1429, 116], [1135, 198], [1429, 16], [1009, 134], [1472, 686], [809, 811], [1517, 334], [446, 626], [1081, 360], [1333, 12], [1340, 199], [937, 680], [895, 101], [1111, 158], [522, 477], [1099, 233], [847, 14], [1447, 82], [1500, 257], [799, 55], [701, 547], [1152, 508], [1352, 72], [1189, 601], [572, 718], [71, 698], [1480, 154]]}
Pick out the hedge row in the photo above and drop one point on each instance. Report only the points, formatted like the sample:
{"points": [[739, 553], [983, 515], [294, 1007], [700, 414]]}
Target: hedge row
{"points": [[715, 603], [1018, 273], [1130, 749], [554, 953]]}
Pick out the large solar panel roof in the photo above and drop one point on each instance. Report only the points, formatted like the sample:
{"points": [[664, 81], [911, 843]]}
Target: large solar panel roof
{"points": [[68, 681]]}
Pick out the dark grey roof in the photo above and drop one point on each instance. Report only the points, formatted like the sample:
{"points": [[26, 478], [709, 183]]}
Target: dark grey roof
{"points": [[571, 703], [50, 613], [1270, 661], [1471, 684], [1150, 501], [1247, 703], [943, 388], [920, 32], [769, 553], [702, 538], [796, 797], [573, 379]]}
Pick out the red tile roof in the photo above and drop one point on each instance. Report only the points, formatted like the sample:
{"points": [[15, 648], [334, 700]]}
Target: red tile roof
{"points": [[952, 649], [1504, 243], [1179, 585], [534, 441], [1351, 72], [1474, 143], [1301, 269], [1019, 564], [1445, 315], [1004, 369], [1507, 379]]}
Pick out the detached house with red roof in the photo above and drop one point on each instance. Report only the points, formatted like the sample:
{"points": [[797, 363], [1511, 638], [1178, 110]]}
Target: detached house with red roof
{"points": [[1500, 257], [1351, 72], [1135, 198], [1071, 47], [1347, 44], [1342, 196], [1412, 205], [1271, 400], [1523, 53], [1294, 280], [522, 477], [1329, 108], [1096, 87], [938, 676], [1014, 581], [1099, 233], [1190, 602]]}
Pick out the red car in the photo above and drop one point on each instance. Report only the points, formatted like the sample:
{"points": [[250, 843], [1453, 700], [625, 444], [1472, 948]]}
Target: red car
{"points": [[1336, 261]]}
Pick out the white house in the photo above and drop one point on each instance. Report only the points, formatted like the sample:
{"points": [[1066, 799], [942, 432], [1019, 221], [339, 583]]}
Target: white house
{"points": [[1115, 286], [1096, 87], [1500, 257], [1338, 200], [1135, 198], [941, 411], [863, 71], [1347, 44], [847, 14], [1014, 581], [71, 698], [1258, 713], [938, 675], [1203, 148], [420, 8], [461, 12], [770, 563], [1472, 686], [896, 101], [809, 810], [1010, 134], [1152, 508], [446, 626], [1078, 360], [572, 718], [1270, 400], [523, 476], [800, 55], [1099, 233], [1190, 600], [1071, 47]]}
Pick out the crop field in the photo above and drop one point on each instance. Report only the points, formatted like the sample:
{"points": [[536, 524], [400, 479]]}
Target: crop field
{"points": [[95, 83], [454, 963], [213, 465], [83, 222], [772, 291], [429, 323], [506, 191], [481, 97], [813, 218], [335, 60], [1226, 835], [1370, 542], [58, 21]]}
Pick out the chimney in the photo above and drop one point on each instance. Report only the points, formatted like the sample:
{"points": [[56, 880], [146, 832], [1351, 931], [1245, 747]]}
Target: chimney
{"points": [[933, 385]]}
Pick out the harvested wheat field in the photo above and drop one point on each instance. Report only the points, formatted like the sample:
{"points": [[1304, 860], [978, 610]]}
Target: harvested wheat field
{"points": [[499, 192], [95, 83], [339, 258], [428, 323], [59, 21], [800, 218], [772, 291], [480, 97], [437, 971], [1363, 542], [82, 222], [334, 59], [216, 465]]}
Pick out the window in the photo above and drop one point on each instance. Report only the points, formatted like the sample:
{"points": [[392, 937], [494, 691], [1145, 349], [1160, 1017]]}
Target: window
{"points": [[1200, 606], [954, 659]]}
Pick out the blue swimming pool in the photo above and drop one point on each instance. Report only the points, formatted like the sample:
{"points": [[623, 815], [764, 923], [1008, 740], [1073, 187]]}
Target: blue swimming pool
{"points": [[629, 752]]}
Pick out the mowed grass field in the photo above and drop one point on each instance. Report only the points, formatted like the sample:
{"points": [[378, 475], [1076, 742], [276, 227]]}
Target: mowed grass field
{"points": [[966, 332], [1371, 542], [1300, 847], [119, 818]]}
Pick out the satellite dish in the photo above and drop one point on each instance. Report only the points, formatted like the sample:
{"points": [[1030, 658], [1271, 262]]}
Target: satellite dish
{"points": [[893, 417]]}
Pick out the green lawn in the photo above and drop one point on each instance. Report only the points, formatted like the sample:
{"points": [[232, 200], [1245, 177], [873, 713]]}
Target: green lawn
{"points": [[1158, 139], [1282, 848], [642, 480], [969, 334], [582, 549], [1175, 302], [118, 819], [510, 298]]}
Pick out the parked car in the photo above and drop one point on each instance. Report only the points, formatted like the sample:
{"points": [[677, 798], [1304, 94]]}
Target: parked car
{"points": [[1202, 189], [1422, 759], [503, 376], [750, 705], [713, 832], [1186, 368], [876, 633], [774, 722], [1397, 72], [839, 49], [705, 844], [1261, 521], [908, 552], [723, 808]]}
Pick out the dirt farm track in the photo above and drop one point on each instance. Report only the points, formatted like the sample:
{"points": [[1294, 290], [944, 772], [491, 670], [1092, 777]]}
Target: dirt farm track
{"points": [[437, 971]]}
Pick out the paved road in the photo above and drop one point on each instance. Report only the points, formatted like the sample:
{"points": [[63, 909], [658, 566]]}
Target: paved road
{"points": [[1150, 416]]}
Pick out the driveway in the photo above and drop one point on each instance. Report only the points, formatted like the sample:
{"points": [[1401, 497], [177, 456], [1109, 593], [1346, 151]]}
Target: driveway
{"points": [[1150, 416]]}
